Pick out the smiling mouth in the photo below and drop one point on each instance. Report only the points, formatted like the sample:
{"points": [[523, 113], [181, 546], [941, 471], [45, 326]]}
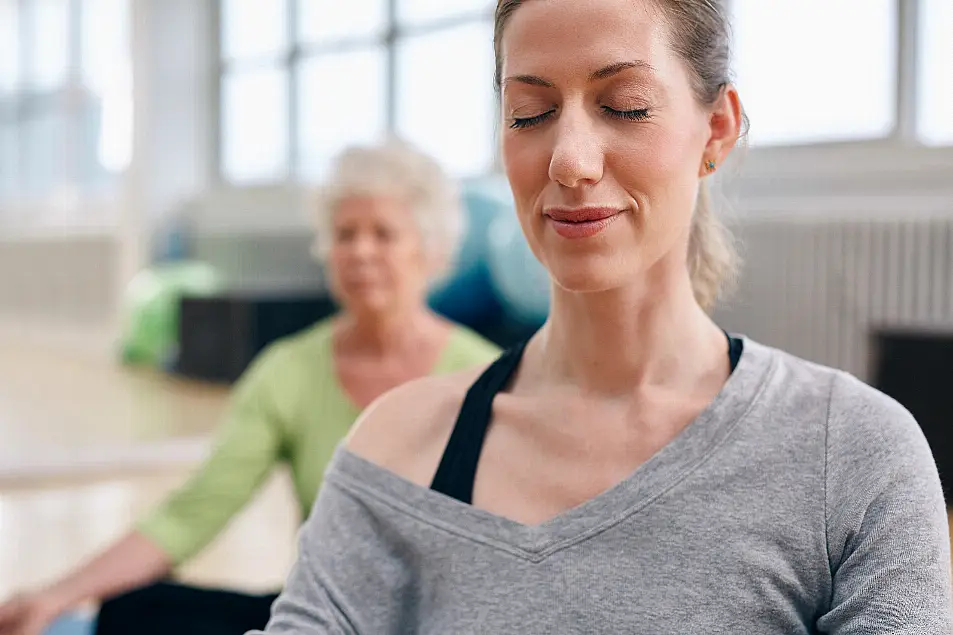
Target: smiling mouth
{"points": [[582, 222]]}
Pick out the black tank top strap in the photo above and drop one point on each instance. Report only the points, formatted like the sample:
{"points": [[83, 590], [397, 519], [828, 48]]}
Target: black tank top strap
{"points": [[456, 473], [735, 349], [457, 470]]}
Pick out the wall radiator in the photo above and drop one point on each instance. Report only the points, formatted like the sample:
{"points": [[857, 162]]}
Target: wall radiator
{"points": [[820, 287]]}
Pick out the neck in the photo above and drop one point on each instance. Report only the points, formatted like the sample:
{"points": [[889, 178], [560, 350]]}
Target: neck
{"points": [[651, 334], [385, 333]]}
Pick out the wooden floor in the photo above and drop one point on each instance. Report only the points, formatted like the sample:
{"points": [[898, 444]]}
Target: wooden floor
{"points": [[86, 447]]}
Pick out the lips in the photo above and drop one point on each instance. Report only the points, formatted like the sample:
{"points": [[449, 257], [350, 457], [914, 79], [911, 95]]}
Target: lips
{"points": [[582, 222], [581, 215]]}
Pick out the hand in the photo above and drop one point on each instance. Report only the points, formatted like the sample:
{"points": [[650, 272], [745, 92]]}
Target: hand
{"points": [[29, 614]]}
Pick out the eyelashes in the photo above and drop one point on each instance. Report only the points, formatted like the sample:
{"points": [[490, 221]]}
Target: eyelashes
{"points": [[640, 114], [529, 122]]}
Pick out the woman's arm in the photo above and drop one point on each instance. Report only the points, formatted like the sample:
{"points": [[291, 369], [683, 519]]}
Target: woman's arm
{"points": [[245, 451], [132, 562], [888, 534]]}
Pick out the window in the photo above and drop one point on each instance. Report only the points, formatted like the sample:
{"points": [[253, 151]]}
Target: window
{"points": [[254, 29], [321, 21], [255, 124], [344, 73], [9, 46], [416, 12], [813, 71], [47, 42], [106, 104], [8, 160], [44, 167], [64, 125], [445, 103], [935, 81], [342, 101]]}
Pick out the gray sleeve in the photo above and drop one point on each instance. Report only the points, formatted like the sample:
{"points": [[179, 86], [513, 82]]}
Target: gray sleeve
{"points": [[888, 535], [305, 606]]}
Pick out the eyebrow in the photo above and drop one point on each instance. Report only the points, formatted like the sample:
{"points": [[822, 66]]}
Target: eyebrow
{"points": [[602, 73]]}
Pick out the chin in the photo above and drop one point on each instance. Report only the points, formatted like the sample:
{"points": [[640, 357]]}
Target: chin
{"points": [[368, 302], [591, 274]]}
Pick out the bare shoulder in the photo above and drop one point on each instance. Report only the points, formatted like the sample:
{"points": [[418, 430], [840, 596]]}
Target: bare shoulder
{"points": [[406, 429]]}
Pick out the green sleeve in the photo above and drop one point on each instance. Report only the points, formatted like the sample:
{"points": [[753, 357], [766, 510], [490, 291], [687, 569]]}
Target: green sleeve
{"points": [[245, 450], [469, 349]]}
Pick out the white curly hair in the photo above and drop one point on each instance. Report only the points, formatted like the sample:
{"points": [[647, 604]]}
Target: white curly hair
{"points": [[395, 169]]}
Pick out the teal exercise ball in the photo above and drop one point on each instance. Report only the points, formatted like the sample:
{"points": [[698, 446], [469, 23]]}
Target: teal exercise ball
{"points": [[520, 280], [467, 294]]}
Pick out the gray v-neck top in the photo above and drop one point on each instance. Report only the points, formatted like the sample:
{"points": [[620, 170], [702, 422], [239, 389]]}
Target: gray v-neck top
{"points": [[799, 501]]}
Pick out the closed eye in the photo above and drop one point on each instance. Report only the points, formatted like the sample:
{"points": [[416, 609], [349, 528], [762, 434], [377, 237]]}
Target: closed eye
{"points": [[640, 114], [528, 122], [628, 115]]}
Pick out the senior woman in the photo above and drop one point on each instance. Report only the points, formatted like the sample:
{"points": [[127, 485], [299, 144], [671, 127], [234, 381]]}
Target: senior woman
{"points": [[631, 468], [388, 224]]}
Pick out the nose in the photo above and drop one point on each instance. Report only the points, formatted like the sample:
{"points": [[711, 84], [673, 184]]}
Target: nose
{"points": [[577, 151], [363, 246]]}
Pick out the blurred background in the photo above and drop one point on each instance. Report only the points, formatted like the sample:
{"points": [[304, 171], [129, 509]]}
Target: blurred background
{"points": [[154, 235]]}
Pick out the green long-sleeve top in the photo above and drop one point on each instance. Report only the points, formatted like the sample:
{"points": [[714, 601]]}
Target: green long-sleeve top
{"points": [[288, 407]]}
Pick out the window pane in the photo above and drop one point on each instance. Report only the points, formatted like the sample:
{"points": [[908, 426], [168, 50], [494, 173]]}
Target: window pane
{"points": [[445, 100], [255, 125], [44, 163], [935, 98], [9, 45], [105, 43], [8, 161], [254, 28], [105, 135], [413, 12], [341, 100], [814, 70], [106, 113], [323, 20], [47, 41]]}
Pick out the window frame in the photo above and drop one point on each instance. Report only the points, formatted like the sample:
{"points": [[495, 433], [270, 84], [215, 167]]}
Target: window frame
{"points": [[67, 99], [389, 39], [895, 165], [832, 165]]}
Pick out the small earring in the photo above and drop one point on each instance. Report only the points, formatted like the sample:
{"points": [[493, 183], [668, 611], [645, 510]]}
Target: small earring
{"points": [[710, 166]]}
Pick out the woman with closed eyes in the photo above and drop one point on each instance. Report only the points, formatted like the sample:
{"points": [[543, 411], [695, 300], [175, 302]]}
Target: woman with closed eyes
{"points": [[631, 468]]}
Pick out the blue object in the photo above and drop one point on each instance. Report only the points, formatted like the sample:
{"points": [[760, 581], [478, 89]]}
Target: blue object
{"points": [[468, 296], [520, 280], [73, 624]]}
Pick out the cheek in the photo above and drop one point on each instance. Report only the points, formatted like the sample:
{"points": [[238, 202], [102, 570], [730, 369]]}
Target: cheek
{"points": [[658, 158], [526, 162], [661, 173], [336, 260], [405, 258]]}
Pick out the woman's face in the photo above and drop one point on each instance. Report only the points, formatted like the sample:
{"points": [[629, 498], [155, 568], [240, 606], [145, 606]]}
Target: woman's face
{"points": [[604, 140], [377, 262]]}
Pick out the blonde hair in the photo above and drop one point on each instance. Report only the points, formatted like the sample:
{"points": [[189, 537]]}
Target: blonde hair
{"points": [[713, 261], [395, 169]]}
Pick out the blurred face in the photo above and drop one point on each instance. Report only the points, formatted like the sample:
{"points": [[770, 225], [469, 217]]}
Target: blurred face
{"points": [[376, 262], [604, 140]]}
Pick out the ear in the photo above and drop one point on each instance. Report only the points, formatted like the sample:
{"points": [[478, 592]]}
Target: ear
{"points": [[724, 124]]}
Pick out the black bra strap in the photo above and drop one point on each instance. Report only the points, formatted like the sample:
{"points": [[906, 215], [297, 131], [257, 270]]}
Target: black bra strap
{"points": [[457, 469]]}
